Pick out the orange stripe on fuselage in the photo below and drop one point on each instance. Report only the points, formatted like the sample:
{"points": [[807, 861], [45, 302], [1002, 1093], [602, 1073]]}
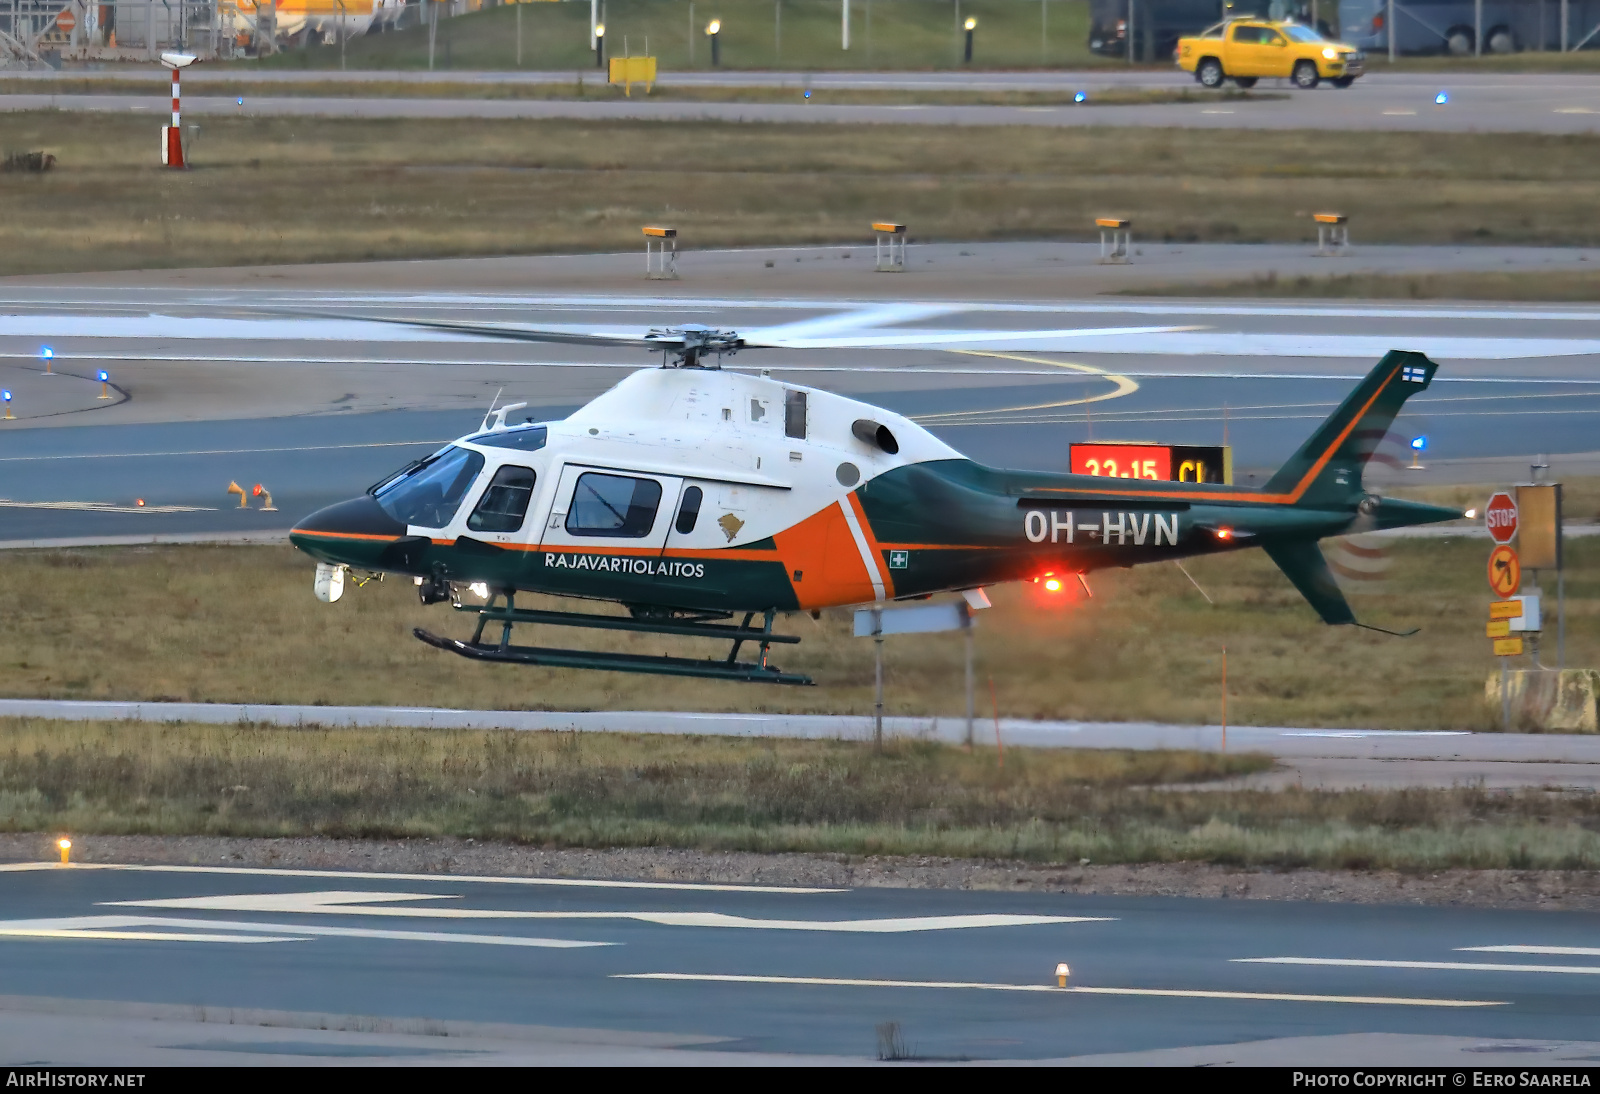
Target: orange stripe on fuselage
{"points": [[822, 550], [346, 535]]}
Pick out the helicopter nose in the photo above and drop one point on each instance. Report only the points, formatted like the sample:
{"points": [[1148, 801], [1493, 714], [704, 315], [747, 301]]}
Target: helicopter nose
{"points": [[356, 532]]}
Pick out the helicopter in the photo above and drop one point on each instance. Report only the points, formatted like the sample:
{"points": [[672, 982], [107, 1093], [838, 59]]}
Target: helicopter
{"points": [[689, 495]]}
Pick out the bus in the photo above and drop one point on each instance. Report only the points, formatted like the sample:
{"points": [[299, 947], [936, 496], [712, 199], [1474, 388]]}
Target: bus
{"points": [[1449, 26]]}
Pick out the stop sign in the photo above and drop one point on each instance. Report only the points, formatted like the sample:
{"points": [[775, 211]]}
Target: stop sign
{"points": [[1501, 517], [66, 21]]}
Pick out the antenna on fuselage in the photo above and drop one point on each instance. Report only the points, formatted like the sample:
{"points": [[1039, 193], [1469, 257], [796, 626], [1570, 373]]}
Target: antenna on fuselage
{"points": [[484, 428]]}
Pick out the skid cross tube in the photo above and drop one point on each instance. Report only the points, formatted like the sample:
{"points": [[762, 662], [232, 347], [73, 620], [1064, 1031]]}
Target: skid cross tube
{"points": [[511, 614]]}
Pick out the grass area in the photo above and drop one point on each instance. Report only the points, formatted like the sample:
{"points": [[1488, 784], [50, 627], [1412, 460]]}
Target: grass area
{"points": [[418, 188], [1525, 63], [1553, 286], [239, 624], [597, 90], [759, 795], [803, 35]]}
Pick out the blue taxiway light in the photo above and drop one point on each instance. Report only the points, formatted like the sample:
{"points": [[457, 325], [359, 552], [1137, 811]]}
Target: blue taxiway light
{"points": [[1079, 97], [1419, 443], [47, 353], [104, 376], [1441, 99]]}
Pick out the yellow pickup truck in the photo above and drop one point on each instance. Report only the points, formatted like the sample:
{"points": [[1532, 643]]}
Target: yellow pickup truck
{"points": [[1244, 50]]}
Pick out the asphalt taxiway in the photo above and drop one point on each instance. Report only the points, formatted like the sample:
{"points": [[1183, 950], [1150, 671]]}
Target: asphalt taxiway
{"points": [[1409, 102], [664, 971], [237, 382], [1307, 759]]}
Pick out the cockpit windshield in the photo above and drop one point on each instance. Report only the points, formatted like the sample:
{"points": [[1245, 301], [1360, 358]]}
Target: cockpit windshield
{"points": [[528, 438], [429, 493]]}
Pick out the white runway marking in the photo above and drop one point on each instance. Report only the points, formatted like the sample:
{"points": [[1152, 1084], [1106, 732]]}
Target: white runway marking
{"points": [[356, 902], [1379, 733], [470, 879], [1175, 993], [1456, 966], [140, 936], [116, 927], [1555, 951]]}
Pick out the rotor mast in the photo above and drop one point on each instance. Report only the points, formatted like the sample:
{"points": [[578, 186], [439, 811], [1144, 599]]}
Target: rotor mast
{"points": [[688, 346]]}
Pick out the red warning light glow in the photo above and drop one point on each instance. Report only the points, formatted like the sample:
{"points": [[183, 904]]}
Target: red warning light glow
{"points": [[1224, 533], [1053, 584]]}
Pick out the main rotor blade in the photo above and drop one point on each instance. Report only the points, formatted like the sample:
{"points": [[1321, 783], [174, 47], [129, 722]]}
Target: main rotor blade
{"points": [[515, 334]]}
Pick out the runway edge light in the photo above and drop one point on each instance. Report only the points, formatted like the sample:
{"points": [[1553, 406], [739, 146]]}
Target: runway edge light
{"points": [[1062, 972], [66, 850]]}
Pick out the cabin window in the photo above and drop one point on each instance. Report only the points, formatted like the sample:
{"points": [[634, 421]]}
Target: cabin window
{"points": [[794, 414], [430, 493], [613, 505], [689, 510], [505, 502]]}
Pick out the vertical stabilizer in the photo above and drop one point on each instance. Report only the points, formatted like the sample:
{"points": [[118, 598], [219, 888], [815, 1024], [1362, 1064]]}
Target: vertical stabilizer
{"points": [[1326, 472]]}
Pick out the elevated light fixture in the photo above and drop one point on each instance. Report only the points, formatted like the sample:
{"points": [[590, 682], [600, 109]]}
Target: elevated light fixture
{"points": [[970, 25], [599, 45], [714, 32]]}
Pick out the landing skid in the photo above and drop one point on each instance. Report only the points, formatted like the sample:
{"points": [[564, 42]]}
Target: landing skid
{"points": [[730, 668]]}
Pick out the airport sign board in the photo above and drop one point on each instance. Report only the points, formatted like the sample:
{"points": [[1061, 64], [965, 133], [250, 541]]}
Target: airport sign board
{"points": [[1505, 571], [1159, 462], [1508, 647]]}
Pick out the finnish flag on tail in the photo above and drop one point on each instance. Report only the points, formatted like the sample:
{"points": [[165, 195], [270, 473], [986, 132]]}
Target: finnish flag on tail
{"points": [[1414, 374]]}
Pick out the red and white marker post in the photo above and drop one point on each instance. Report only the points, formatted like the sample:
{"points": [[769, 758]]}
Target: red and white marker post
{"points": [[172, 135]]}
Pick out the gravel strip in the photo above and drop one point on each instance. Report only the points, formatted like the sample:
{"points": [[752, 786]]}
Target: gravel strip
{"points": [[1549, 889]]}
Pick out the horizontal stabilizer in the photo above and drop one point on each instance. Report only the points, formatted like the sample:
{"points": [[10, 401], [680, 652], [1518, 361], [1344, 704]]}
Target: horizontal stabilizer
{"points": [[1302, 562]]}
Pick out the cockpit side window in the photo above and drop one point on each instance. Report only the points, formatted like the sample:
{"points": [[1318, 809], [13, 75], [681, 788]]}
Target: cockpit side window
{"points": [[794, 414], [429, 494], [613, 505], [689, 510], [505, 501]]}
